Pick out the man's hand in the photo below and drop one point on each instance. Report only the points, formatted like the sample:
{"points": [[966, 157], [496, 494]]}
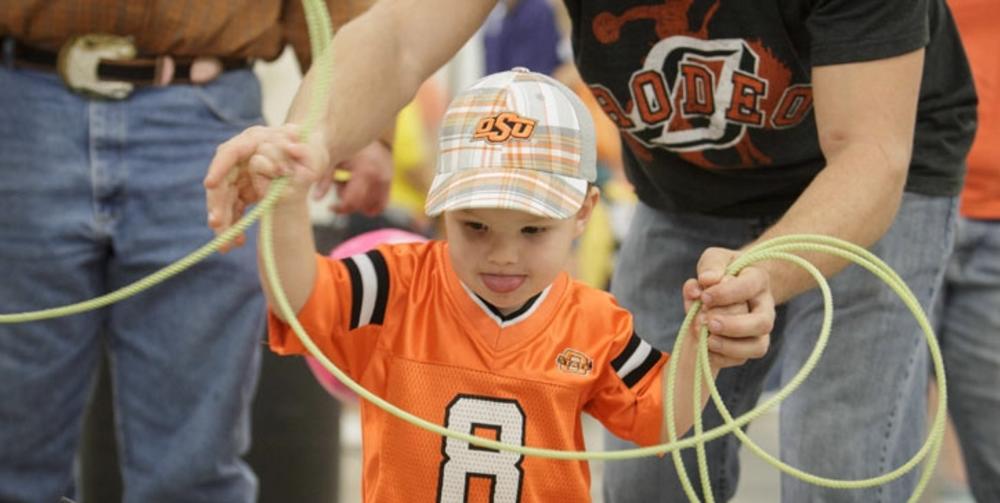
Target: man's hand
{"points": [[244, 166], [738, 310], [367, 189]]}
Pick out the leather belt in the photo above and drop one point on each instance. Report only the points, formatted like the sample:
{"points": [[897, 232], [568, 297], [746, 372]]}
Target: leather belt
{"points": [[107, 66]]}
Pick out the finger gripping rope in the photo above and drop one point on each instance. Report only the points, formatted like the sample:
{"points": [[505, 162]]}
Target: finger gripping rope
{"points": [[320, 34]]}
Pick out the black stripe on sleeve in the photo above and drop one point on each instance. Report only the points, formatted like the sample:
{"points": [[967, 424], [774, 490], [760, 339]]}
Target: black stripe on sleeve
{"points": [[357, 293], [382, 294], [643, 368], [630, 348]]}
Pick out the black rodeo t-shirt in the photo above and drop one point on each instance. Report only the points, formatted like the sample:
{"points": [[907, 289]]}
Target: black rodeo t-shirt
{"points": [[714, 101]]}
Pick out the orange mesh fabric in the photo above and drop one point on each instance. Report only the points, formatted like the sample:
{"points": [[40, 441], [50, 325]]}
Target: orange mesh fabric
{"points": [[407, 330]]}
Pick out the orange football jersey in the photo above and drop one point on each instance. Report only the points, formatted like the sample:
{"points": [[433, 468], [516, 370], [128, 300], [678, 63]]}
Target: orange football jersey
{"points": [[399, 321]]}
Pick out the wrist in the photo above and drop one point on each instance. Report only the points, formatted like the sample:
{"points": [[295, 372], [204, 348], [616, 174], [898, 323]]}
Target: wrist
{"points": [[293, 203]]}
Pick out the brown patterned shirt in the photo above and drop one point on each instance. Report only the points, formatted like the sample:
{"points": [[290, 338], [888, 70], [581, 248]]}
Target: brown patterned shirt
{"points": [[225, 28]]}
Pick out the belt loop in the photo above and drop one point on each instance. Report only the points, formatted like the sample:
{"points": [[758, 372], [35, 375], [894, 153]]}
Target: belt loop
{"points": [[7, 48], [164, 72]]}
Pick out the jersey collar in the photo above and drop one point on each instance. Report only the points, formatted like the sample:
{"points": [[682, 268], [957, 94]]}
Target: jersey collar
{"points": [[500, 333], [506, 320]]}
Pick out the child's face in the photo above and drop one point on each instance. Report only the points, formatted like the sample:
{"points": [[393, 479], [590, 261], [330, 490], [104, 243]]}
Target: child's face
{"points": [[508, 256]]}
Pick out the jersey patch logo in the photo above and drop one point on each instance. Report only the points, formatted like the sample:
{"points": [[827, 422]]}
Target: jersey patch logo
{"points": [[574, 362], [504, 126]]}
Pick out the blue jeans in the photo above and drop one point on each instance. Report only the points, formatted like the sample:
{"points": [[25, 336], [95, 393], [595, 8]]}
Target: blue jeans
{"points": [[859, 414], [968, 320], [93, 196]]}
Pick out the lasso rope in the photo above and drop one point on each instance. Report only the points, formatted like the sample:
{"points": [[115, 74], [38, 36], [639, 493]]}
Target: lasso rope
{"points": [[153, 279], [320, 35], [776, 249]]}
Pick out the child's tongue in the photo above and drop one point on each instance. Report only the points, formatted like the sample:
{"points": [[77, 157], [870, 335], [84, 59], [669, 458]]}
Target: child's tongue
{"points": [[502, 283]]}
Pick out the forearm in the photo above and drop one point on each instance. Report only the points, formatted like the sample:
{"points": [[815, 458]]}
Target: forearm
{"points": [[684, 391], [379, 61], [365, 110], [855, 199], [294, 255], [865, 116]]}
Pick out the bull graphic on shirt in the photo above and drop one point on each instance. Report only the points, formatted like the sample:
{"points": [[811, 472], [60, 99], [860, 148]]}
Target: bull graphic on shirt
{"points": [[693, 94]]}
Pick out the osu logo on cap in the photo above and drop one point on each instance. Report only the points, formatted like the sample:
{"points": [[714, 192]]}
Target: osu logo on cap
{"points": [[502, 127], [574, 362]]}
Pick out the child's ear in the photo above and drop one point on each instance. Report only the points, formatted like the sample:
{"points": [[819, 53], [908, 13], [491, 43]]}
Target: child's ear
{"points": [[587, 209]]}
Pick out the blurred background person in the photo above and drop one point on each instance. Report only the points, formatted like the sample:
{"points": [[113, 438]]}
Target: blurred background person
{"points": [[524, 33], [968, 309], [110, 112]]}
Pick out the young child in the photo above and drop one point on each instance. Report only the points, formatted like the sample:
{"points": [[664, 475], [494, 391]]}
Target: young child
{"points": [[483, 332]]}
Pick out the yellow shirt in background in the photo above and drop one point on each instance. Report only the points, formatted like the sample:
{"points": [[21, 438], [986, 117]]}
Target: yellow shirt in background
{"points": [[409, 156]]}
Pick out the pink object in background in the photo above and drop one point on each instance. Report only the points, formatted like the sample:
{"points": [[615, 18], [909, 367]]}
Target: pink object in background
{"points": [[358, 244]]}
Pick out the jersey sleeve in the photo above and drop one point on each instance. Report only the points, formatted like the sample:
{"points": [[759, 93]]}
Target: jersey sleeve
{"points": [[344, 313], [848, 31], [627, 399]]}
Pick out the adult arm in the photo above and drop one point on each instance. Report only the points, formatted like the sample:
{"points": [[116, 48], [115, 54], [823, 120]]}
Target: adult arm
{"points": [[378, 61], [865, 118], [296, 30]]}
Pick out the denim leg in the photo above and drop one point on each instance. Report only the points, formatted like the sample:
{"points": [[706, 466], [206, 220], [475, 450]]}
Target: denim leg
{"points": [[969, 331], [184, 354], [828, 426], [862, 411], [51, 253], [660, 252]]}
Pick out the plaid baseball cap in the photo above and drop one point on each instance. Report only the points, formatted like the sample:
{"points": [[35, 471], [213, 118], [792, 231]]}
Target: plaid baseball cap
{"points": [[515, 140]]}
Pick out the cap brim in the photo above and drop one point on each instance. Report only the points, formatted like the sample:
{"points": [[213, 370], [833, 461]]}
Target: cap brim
{"points": [[539, 193]]}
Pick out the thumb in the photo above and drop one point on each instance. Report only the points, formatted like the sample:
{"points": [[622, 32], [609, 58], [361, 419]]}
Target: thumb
{"points": [[712, 265]]}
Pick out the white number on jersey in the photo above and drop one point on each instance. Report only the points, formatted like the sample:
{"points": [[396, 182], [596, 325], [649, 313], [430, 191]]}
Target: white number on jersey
{"points": [[463, 462]]}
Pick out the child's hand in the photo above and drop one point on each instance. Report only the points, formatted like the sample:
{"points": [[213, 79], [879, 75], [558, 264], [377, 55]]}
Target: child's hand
{"points": [[244, 166], [739, 311]]}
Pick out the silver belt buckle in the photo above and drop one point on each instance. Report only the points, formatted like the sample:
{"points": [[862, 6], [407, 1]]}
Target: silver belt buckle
{"points": [[80, 56]]}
